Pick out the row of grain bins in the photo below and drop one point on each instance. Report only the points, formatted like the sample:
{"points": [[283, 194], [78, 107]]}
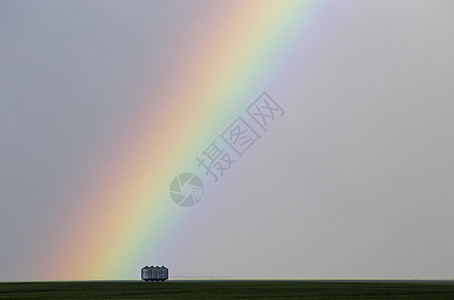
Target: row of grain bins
{"points": [[155, 273]]}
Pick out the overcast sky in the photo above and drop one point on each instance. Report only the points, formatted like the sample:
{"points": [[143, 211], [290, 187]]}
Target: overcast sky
{"points": [[356, 181]]}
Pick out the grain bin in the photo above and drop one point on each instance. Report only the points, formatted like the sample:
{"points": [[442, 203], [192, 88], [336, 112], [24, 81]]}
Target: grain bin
{"points": [[146, 273], [154, 273]]}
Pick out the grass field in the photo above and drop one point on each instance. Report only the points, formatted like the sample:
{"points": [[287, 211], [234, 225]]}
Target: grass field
{"points": [[228, 289]]}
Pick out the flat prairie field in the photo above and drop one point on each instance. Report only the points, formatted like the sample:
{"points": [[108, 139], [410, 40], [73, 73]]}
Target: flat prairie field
{"points": [[229, 289]]}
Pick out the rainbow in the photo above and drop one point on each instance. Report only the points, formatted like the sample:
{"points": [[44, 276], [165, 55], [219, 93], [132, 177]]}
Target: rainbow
{"points": [[122, 214]]}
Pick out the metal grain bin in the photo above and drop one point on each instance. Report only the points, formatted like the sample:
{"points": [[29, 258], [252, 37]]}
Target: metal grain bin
{"points": [[165, 273], [155, 273], [146, 273], [158, 273]]}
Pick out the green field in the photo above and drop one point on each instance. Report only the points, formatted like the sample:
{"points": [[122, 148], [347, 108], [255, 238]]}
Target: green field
{"points": [[229, 289]]}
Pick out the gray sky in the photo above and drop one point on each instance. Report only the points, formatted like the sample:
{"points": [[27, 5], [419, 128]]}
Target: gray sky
{"points": [[354, 182]]}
